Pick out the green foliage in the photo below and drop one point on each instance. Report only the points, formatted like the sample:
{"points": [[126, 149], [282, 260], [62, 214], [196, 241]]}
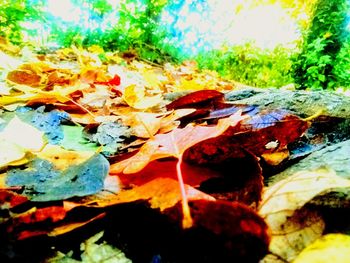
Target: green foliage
{"points": [[319, 63], [323, 62], [342, 65], [13, 13], [251, 65]]}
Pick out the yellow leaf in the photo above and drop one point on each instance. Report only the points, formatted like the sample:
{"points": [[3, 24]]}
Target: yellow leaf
{"points": [[282, 208], [135, 96], [154, 79], [334, 248], [192, 84], [23, 135]]}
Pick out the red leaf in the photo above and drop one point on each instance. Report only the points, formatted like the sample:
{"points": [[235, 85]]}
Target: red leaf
{"points": [[115, 81], [9, 199], [198, 99], [51, 213], [166, 168], [265, 132]]}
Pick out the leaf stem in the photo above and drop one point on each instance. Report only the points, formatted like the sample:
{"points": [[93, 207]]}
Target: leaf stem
{"points": [[187, 221]]}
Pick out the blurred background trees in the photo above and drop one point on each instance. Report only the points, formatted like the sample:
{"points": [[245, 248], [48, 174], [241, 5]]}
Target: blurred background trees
{"points": [[265, 43]]}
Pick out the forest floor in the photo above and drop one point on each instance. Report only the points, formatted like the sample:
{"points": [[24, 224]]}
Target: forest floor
{"points": [[106, 158]]}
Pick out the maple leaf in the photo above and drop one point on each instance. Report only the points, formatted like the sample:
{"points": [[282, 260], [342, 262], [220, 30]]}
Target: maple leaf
{"points": [[174, 144], [282, 204], [147, 124]]}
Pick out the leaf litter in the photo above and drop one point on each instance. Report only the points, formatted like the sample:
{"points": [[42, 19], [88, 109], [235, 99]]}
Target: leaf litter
{"points": [[81, 139]]}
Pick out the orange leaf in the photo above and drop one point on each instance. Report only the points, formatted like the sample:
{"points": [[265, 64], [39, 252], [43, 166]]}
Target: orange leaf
{"points": [[173, 144], [161, 193]]}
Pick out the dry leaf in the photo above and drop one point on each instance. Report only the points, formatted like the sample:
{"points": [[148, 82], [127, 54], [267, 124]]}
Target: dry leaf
{"points": [[143, 124], [23, 135], [135, 96], [173, 144], [10, 152], [161, 193], [281, 204]]}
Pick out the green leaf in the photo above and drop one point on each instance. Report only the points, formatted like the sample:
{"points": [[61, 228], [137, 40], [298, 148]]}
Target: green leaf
{"points": [[73, 139]]}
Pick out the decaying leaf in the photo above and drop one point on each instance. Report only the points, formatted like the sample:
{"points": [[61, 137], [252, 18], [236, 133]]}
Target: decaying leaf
{"points": [[59, 175], [110, 135], [282, 208]]}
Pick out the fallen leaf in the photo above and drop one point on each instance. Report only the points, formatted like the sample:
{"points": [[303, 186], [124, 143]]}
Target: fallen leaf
{"points": [[241, 234], [43, 181], [10, 152], [73, 139], [24, 77], [23, 135], [281, 208], [143, 124], [10, 199], [329, 248], [70, 226], [265, 132], [110, 135], [173, 144], [161, 193], [63, 159], [166, 168], [135, 96]]}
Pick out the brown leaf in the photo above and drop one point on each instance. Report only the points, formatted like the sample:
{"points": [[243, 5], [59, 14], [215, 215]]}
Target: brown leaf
{"points": [[240, 179], [263, 133], [233, 226]]}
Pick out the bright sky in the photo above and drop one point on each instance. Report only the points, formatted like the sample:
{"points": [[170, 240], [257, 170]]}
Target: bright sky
{"points": [[267, 25], [210, 26], [65, 10]]}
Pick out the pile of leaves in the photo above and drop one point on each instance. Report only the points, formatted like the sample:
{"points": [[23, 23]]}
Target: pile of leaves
{"points": [[156, 157]]}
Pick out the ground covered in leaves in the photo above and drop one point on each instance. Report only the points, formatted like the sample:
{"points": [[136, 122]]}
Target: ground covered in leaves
{"points": [[106, 158]]}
